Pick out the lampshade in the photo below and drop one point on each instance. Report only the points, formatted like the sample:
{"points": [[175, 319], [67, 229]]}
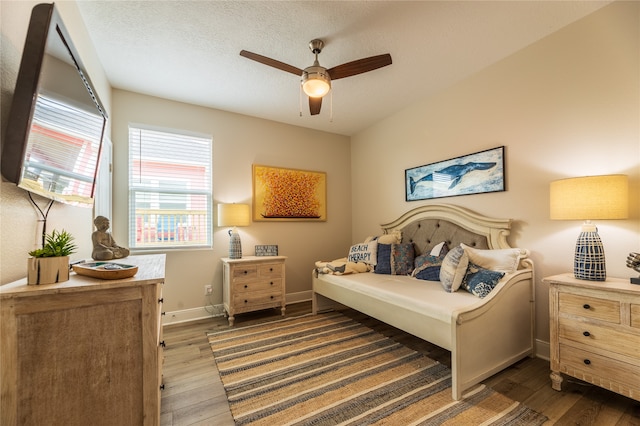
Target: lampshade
{"points": [[234, 215], [586, 198], [590, 197], [315, 81]]}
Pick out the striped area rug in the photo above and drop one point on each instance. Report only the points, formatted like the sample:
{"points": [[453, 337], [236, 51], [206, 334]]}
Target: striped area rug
{"points": [[328, 369]]}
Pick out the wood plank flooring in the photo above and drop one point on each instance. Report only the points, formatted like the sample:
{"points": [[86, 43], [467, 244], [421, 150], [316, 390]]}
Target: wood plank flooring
{"points": [[194, 395]]}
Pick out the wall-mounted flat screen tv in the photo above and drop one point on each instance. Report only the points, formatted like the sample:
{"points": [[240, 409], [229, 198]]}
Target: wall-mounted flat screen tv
{"points": [[53, 138]]}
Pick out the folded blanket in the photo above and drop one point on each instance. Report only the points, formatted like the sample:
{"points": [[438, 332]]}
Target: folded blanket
{"points": [[342, 267]]}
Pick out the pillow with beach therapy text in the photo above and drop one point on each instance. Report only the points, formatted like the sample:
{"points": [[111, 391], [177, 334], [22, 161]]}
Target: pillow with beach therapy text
{"points": [[364, 252]]}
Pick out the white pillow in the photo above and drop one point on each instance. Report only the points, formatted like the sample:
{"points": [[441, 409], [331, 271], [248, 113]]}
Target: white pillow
{"points": [[364, 252], [437, 249], [501, 260], [453, 269], [394, 237]]}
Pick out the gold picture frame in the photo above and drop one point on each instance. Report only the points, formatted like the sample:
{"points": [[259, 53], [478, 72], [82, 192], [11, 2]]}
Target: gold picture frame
{"points": [[283, 194]]}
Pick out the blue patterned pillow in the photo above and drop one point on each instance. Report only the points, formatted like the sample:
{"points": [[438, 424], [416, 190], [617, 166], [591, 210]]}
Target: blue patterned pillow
{"points": [[453, 269], [402, 257], [479, 281], [427, 265], [384, 259]]}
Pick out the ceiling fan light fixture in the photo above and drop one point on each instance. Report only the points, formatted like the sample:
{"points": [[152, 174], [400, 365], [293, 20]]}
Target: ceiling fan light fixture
{"points": [[315, 82]]}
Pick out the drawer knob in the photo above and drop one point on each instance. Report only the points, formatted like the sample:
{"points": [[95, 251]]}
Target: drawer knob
{"points": [[586, 306], [246, 301], [270, 269], [587, 361], [586, 334], [246, 286], [271, 297], [161, 300], [245, 272], [271, 283], [163, 344]]}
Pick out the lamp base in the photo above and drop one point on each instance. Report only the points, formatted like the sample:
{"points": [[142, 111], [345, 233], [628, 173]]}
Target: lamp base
{"points": [[589, 262], [235, 246]]}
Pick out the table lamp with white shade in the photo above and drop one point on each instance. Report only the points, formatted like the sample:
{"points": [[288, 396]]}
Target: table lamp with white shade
{"points": [[589, 198], [234, 215]]}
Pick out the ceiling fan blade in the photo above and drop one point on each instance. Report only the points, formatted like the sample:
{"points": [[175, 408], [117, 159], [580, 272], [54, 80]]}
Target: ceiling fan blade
{"points": [[314, 105], [271, 62], [360, 66]]}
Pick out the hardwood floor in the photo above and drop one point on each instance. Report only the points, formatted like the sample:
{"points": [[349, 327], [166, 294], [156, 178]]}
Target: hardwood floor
{"points": [[194, 395]]}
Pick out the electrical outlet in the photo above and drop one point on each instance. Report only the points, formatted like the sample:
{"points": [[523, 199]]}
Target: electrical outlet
{"points": [[208, 289]]}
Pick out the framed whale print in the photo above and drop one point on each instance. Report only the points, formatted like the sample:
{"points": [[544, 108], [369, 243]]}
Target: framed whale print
{"points": [[475, 173], [281, 194]]}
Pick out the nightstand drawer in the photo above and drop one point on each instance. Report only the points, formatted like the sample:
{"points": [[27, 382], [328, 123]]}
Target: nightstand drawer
{"points": [[244, 273], [250, 300], [600, 370], [614, 340], [270, 271], [249, 287], [590, 307]]}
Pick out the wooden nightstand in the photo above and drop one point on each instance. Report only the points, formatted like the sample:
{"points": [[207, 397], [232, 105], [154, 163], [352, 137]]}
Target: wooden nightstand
{"points": [[595, 332], [253, 283]]}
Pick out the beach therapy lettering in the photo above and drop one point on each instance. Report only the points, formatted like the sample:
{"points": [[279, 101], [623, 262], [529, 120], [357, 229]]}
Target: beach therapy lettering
{"points": [[360, 253]]}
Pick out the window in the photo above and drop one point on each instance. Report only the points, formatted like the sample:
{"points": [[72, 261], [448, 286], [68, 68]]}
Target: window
{"points": [[169, 189]]}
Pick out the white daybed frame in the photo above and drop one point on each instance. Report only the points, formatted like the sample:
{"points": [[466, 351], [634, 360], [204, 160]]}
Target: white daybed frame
{"points": [[484, 337]]}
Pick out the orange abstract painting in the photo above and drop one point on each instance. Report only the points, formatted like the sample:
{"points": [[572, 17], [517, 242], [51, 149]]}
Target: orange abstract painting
{"points": [[288, 194]]}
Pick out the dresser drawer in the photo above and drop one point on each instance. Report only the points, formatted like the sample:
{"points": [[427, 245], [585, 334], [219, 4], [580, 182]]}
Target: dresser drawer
{"points": [[251, 301], [274, 284], [244, 273], [270, 271], [593, 335], [600, 370], [590, 307]]}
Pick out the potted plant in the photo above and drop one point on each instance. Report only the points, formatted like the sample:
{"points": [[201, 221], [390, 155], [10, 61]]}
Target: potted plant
{"points": [[50, 264]]}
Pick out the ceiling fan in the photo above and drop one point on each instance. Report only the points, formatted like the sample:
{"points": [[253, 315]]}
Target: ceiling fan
{"points": [[316, 79]]}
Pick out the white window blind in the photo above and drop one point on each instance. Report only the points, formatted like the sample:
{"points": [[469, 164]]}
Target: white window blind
{"points": [[169, 189], [62, 151]]}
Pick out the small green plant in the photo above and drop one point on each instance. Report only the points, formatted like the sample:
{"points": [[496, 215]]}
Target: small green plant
{"points": [[56, 244]]}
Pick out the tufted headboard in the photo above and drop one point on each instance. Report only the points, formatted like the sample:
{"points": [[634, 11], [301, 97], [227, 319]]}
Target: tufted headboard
{"points": [[427, 226]]}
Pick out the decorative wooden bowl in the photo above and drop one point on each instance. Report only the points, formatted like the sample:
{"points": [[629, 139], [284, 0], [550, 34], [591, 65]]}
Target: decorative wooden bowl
{"points": [[105, 270]]}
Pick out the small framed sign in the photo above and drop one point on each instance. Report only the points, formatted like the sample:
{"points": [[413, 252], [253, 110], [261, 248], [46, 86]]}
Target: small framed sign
{"points": [[266, 250]]}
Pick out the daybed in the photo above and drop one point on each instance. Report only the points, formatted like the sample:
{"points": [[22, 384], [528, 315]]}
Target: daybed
{"points": [[484, 335]]}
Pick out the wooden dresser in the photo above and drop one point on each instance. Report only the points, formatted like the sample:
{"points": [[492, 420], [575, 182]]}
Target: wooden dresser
{"points": [[595, 332], [253, 283], [84, 351]]}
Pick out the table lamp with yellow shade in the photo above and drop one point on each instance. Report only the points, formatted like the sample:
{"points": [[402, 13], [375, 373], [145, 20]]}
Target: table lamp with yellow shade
{"points": [[234, 215], [589, 198]]}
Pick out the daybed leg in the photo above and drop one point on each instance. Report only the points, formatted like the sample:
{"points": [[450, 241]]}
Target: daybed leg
{"points": [[314, 303]]}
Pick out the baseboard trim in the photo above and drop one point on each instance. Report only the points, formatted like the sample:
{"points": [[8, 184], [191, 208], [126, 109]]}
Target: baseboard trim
{"points": [[543, 349], [212, 311]]}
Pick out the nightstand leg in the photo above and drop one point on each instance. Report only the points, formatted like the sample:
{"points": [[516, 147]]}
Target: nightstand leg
{"points": [[231, 320], [556, 380], [284, 308]]}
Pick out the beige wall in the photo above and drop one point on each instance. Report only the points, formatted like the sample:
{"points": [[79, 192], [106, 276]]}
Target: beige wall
{"points": [[238, 142], [568, 105], [19, 228]]}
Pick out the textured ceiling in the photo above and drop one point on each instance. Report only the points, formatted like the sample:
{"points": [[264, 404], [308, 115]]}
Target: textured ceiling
{"points": [[189, 50]]}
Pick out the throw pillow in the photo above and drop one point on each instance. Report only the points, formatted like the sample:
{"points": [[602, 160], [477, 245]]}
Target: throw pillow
{"points": [[503, 260], [453, 269], [402, 257], [366, 253], [479, 281], [427, 267], [394, 237], [383, 265]]}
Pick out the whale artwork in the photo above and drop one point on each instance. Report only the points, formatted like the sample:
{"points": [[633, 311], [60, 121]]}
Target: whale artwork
{"points": [[452, 173], [475, 173]]}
